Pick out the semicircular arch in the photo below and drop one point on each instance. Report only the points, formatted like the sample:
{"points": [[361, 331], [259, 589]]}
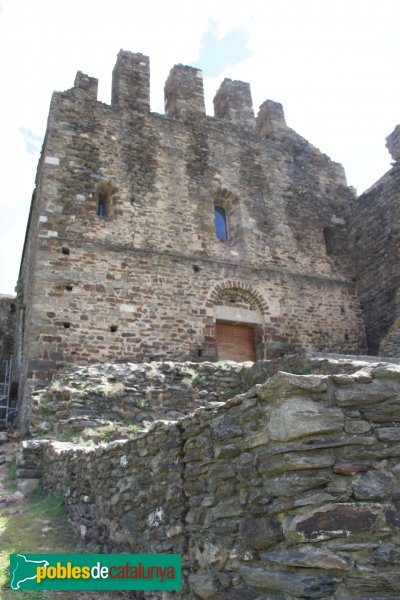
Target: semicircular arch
{"points": [[235, 292]]}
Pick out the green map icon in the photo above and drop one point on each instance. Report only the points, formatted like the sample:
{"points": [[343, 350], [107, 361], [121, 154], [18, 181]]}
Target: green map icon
{"points": [[23, 569]]}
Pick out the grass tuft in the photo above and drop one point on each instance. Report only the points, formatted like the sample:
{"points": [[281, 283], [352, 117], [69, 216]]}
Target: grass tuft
{"points": [[37, 526]]}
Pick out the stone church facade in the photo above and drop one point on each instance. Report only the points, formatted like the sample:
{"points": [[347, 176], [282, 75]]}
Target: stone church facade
{"points": [[182, 235]]}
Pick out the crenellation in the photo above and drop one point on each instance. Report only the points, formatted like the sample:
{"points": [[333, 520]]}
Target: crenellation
{"points": [[183, 92], [88, 85], [131, 82], [270, 119], [233, 102]]}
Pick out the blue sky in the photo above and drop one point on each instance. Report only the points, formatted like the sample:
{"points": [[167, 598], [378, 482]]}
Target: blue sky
{"points": [[333, 65], [219, 52]]}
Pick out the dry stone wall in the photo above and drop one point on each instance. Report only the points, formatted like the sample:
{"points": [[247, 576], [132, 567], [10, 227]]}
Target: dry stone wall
{"points": [[127, 394], [288, 491], [112, 399]]}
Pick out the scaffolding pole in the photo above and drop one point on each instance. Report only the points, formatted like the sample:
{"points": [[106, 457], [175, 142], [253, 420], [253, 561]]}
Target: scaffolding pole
{"points": [[6, 410]]}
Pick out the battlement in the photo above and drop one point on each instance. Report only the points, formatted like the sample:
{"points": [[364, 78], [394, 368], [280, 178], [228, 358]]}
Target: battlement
{"points": [[131, 81], [87, 85], [233, 101], [271, 118], [183, 94]]}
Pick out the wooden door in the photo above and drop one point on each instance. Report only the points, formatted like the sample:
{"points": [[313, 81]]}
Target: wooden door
{"points": [[235, 342]]}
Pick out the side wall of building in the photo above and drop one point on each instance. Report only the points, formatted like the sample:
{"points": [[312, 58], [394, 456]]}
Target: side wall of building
{"points": [[377, 243], [28, 295]]}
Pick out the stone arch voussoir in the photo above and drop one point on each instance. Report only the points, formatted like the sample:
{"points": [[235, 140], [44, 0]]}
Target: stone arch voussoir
{"points": [[242, 288]]}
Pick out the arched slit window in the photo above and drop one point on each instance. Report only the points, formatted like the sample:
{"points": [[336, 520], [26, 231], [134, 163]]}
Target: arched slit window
{"points": [[221, 229], [106, 196]]}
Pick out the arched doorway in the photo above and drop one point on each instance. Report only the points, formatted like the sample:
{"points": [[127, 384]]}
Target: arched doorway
{"points": [[239, 323]]}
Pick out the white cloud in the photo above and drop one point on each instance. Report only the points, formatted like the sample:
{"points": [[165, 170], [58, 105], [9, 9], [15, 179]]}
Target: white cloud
{"points": [[333, 65], [33, 142]]}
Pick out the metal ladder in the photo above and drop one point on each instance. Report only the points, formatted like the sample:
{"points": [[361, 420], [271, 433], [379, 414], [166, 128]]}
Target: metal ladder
{"points": [[6, 410]]}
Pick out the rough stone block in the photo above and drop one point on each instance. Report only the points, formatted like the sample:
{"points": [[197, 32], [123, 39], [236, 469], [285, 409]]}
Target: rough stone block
{"points": [[210, 555], [388, 434], [308, 557], [12, 498], [26, 486], [205, 585], [386, 371], [296, 462], [293, 483], [227, 508], [260, 532], [386, 412], [374, 485], [226, 427], [299, 417], [365, 393], [345, 520], [310, 585]]}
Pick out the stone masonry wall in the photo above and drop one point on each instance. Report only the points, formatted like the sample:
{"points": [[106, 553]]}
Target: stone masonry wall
{"points": [[143, 278], [377, 243], [289, 491], [128, 312]]}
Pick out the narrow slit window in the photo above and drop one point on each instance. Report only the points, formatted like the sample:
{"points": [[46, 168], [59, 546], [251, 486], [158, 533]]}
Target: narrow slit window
{"points": [[101, 208], [329, 238], [221, 229], [105, 195]]}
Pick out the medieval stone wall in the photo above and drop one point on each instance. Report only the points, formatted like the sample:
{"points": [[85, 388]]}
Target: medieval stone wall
{"points": [[122, 260], [288, 491], [377, 243], [141, 305]]}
